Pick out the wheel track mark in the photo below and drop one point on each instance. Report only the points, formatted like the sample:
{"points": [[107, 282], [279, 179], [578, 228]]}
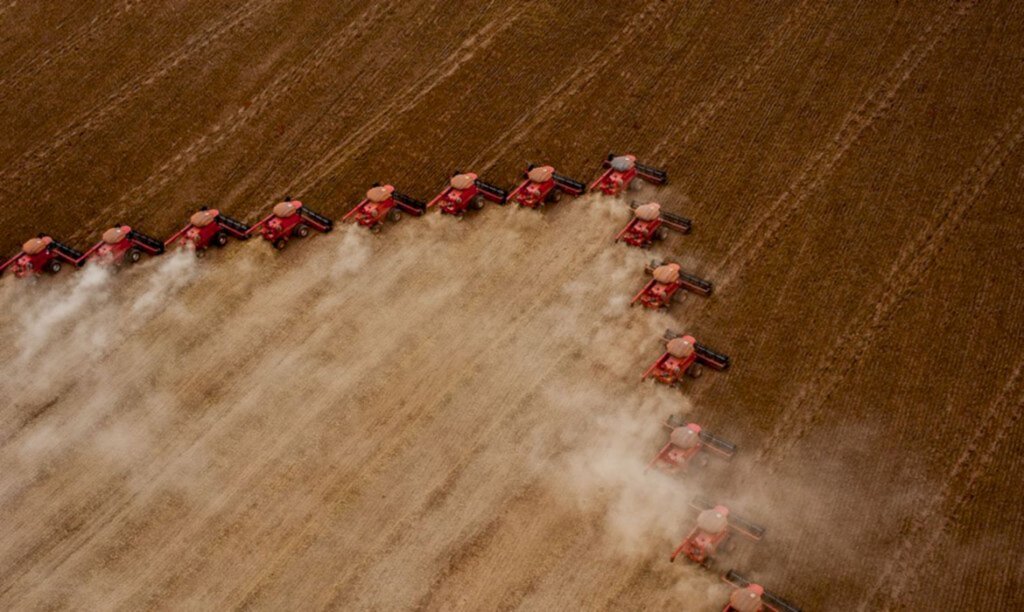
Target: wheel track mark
{"points": [[405, 100], [727, 88], [220, 132], [47, 153], [909, 266], [932, 523], [579, 79], [764, 229], [68, 45]]}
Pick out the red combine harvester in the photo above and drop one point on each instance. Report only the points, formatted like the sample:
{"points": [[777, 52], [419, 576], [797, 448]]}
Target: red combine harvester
{"points": [[666, 285], [684, 355], [41, 254], [685, 441], [383, 202], [544, 186], [290, 219], [466, 191], [208, 227], [620, 172], [751, 597], [122, 244], [650, 223], [715, 525]]}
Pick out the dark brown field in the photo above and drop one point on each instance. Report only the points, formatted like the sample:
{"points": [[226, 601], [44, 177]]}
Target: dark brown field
{"points": [[448, 415]]}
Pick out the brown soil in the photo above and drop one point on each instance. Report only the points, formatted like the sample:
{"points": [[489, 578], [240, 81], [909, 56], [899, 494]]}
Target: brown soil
{"points": [[449, 414]]}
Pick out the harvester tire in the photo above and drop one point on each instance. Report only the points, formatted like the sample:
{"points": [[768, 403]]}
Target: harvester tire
{"points": [[478, 202], [220, 240], [634, 185], [133, 256], [679, 296], [695, 370], [661, 233], [301, 231], [554, 196], [279, 243], [395, 216], [53, 266]]}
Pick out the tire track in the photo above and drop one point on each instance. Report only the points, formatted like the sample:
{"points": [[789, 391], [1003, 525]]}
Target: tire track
{"points": [[727, 89], [957, 492], [405, 100], [563, 92], [765, 228], [908, 268], [48, 153]]}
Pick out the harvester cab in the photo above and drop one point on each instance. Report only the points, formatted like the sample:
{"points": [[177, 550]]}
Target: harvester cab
{"points": [[715, 525], [669, 284], [619, 174], [383, 202], [41, 254], [465, 191], [542, 185], [650, 223], [685, 441], [208, 227], [290, 219], [751, 597], [684, 356], [122, 244]]}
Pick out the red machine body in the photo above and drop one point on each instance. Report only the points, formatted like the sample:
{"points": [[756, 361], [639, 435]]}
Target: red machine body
{"points": [[208, 227], [752, 597], [122, 244], [383, 202], [715, 525], [620, 172], [683, 356], [465, 191], [544, 186], [669, 285], [650, 223], [290, 219], [41, 254], [686, 441]]}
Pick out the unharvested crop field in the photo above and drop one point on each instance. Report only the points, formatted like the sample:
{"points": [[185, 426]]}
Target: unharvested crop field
{"points": [[448, 415]]}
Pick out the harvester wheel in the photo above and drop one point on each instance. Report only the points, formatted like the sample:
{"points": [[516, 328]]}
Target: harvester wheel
{"points": [[395, 215], [133, 256], [478, 202], [279, 243], [53, 266], [634, 185], [661, 233], [301, 231], [695, 370], [679, 296], [554, 196], [220, 239]]}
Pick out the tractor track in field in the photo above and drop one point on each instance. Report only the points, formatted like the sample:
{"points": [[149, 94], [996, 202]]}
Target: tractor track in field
{"points": [[405, 100], [764, 230], [910, 266], [279, 88], [728, 88], [60, 145], [567, 89], [958, 490], [20, 74]]}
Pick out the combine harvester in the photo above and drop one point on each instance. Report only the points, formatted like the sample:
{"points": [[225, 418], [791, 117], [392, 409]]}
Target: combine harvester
{"points": [[290, 219], [714, 528], [668, 285], [208, 227], [683, 356], [122, 245], [383, 202], [751, 597], [544, 186], [620, 172], [650, 223], [465, 191], [41, 254], [685, 441]]}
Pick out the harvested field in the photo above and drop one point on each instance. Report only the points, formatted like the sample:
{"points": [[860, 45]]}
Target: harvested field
{"points": [[449, 414]]}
